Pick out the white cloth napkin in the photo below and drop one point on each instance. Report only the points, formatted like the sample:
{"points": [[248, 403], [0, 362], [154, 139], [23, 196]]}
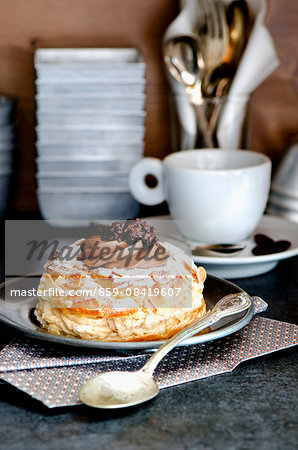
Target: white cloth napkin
{"points": [[258, 61]]}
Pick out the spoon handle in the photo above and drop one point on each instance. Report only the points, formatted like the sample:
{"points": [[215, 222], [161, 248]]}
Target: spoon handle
{"points": [[228, 305], [203, 125]]}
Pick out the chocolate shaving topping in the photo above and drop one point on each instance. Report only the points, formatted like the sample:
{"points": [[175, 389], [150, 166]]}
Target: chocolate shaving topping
{"points": [[139, 231], [132, 244], [130, 232], [116, 230]]}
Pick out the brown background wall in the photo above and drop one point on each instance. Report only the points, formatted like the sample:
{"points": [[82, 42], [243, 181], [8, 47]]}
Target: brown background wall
{"points": [[27, 24]]}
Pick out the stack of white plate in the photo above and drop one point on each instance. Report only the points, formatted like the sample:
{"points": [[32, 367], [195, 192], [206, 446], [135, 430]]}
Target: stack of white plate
{"points": [[283, 199], [6, 149], [90, 131]]}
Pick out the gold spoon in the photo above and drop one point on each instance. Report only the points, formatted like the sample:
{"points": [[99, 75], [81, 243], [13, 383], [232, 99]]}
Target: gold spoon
{"points": [[239, 26]]}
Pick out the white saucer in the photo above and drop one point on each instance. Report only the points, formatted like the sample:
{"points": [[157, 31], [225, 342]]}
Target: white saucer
{"points": [[243, 264]]}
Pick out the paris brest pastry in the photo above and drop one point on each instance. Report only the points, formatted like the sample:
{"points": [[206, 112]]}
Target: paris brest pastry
{"points": [[121, 285]]}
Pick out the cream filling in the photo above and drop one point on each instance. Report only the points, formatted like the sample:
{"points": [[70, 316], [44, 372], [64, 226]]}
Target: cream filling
{"points": [[140, 323]]}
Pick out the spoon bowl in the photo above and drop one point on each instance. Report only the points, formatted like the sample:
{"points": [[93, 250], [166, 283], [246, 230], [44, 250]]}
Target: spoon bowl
{"points": [[118, 390], [239, 27], [184, 60]]}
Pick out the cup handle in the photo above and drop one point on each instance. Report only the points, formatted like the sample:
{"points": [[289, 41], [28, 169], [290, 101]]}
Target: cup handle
{"points": [[137, 181]]}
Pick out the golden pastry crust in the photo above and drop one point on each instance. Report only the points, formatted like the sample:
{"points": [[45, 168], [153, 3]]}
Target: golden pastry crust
{"points": [[121, 319], [141, 325]]}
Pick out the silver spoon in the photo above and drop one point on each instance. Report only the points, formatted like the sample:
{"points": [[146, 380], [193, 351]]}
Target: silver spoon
{"points": [[184, 60], [121, 389]]}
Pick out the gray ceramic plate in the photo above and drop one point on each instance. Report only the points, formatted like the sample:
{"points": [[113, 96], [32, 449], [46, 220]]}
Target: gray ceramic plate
{"points": [[21, 317]]}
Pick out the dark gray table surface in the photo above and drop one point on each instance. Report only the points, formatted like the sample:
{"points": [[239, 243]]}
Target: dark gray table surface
{"points": [[254, 407]]}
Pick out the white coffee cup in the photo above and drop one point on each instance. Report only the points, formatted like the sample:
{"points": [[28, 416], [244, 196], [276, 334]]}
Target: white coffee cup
{"points": [[214, 196]]}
